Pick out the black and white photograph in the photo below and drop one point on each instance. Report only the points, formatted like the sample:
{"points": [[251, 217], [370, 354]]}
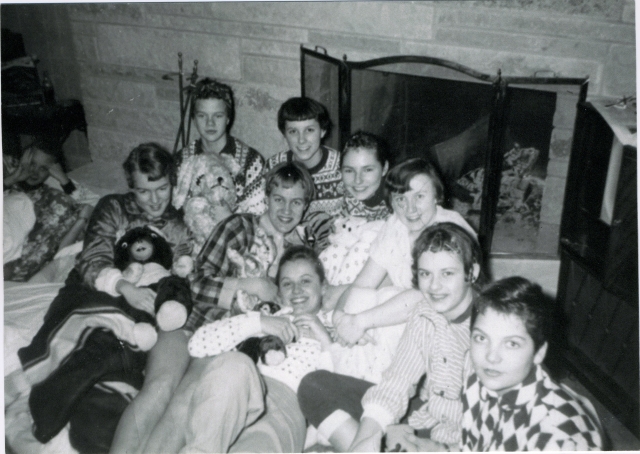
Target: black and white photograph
{"points": [[320, 226]]}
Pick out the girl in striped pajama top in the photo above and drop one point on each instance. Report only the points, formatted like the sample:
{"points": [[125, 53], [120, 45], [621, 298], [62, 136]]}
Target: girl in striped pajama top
{"points": [[446, 264]]}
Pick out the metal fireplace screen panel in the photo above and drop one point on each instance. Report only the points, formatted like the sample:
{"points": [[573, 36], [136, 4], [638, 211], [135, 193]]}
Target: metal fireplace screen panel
{"points": [[469, 124], [321, 81]]}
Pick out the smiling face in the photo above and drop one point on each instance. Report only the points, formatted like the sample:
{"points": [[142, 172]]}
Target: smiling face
{"points": [[442, 280], [211, 120], [153, 197], [304, 139], [301, 287], [502, 350], [39, 167], [417, 207], [362, 173], [285, 207]]}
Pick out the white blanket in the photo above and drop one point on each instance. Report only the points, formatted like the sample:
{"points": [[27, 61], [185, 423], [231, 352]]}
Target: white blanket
{"points": [[24, 308]]}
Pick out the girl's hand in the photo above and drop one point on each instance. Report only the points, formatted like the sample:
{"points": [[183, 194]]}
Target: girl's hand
{"points": [[348, 329], [397, 440], [142, 298], [317, 329], [221, 210], [21, 172], [85, 212], [279, 326], [261, 287], [424, 445], [183, 249], [56, 172]]}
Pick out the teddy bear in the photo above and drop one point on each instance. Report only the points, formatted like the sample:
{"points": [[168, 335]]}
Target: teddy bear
{"points": [[145, 259], [207, 191], [348, 248], [253, 263]]}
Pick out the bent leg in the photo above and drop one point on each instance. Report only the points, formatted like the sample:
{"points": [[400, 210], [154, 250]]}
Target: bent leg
{"points": [[228, 397], [281, 429], [333, 403], [166, 365]]}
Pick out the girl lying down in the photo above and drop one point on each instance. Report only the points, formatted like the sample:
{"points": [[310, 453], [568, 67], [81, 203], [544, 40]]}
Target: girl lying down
{"points": [[230, 407], [301, 283]]}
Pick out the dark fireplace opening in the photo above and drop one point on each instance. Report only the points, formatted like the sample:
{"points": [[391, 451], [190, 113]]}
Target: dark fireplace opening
{"points": [[469, 125]]}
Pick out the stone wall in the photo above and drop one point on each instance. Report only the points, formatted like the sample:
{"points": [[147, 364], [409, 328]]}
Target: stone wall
{"points": [[114, 56]]}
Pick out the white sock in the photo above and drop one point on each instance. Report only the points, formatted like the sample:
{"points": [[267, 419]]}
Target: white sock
{"points": [[330, 424]]}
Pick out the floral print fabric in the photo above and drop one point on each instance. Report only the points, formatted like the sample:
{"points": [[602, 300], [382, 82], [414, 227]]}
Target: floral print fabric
{"points": [[56, 213]]}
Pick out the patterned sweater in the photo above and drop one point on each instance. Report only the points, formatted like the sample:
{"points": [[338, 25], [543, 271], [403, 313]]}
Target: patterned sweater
{"points": [[538, 415], [372, 209], [303, 356], [247, 180]]}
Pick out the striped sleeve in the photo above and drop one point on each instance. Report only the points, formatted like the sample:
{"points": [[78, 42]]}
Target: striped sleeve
{"points": [[387, 402]]}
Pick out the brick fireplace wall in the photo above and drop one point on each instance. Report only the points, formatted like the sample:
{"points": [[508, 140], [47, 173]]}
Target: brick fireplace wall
{"points": [[113, 56]]}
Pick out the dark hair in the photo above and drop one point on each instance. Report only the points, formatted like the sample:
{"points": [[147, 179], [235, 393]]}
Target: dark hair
{"points": [[369, 141], [286, 174], [46, 146], [398, 179], [209, 88], [301, 109], [294, 253], [522, 298], [449, 237], [150, 159]]}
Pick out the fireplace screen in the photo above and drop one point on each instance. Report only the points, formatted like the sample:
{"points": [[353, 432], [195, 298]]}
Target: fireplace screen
{"points": [[515, 130]]}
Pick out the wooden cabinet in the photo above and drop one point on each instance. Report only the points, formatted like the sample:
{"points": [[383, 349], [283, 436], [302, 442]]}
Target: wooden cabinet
{"points": [[598, 285]]}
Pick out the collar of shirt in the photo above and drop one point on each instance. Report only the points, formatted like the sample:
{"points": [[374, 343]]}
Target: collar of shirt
{"points": [[517, 397], [377, 197]]}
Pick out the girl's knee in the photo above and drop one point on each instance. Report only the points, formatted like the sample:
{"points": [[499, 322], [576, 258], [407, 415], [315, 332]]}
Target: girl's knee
{"points": [[312, 386]]}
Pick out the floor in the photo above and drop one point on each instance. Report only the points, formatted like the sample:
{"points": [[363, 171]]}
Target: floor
{"points": [[621, 438]]}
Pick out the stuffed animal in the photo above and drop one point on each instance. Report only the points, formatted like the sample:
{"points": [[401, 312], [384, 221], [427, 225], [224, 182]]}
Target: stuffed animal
{"points": [[145, 258], [348, 250], [346, 231], [268, 349], [207, 191], [254, 263]]}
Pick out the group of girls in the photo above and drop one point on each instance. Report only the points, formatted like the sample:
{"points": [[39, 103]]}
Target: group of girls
{"points": [[175, 407], [424, 264]]}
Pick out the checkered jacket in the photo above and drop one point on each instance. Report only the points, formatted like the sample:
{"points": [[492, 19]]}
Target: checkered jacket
{"points": [[539, 415]]}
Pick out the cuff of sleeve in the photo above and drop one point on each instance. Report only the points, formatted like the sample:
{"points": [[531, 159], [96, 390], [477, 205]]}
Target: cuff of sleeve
{"points": [[69, 187], [227, 293], [254, 322], [107, 280], [379, 414]]}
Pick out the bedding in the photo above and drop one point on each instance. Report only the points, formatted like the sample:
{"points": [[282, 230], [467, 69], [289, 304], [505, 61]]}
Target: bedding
{"points": [[25, 305]]}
